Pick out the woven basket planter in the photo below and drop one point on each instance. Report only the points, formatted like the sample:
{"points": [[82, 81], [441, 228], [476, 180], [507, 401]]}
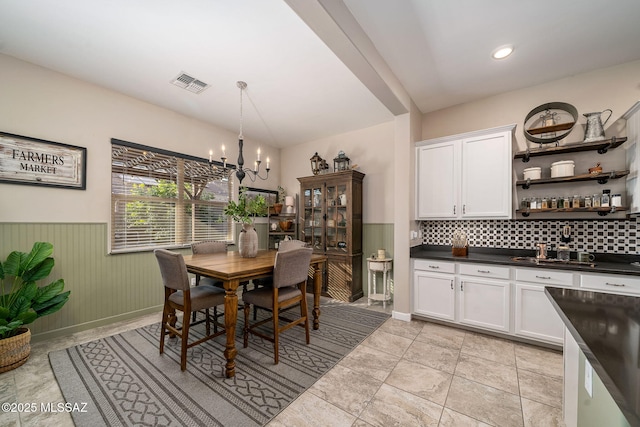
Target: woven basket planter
{"points": [[14, 351]]}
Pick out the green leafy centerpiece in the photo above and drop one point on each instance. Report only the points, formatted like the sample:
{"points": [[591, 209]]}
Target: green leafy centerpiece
{"points": [[244, 212]]}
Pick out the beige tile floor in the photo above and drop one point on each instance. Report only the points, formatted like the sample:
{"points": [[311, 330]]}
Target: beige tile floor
{"points": [[404, 374]]}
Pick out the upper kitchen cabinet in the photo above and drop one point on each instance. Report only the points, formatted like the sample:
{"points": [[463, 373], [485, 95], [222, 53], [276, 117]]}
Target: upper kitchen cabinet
{"points": [[633, 157], [465, 176]]}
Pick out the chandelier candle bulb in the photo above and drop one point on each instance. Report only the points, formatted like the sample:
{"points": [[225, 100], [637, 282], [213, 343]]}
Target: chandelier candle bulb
{"points": [[210, 155], [258, 154], [267, 163]]}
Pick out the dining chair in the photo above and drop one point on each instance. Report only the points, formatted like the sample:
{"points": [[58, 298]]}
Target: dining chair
{"points": [[290, 272], [284, 245], [287, 245], [208, 247], [179, 295]]}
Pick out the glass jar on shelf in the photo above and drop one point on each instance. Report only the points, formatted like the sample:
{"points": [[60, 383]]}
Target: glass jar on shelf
{"points": [[575, 203], [545, 203], [567, 202], [595, 200], [554, 202], [587, 201]]}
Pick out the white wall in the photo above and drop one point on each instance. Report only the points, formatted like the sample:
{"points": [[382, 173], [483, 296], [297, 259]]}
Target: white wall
{"points": [[617, 88], [43, 104], [371, 149]]}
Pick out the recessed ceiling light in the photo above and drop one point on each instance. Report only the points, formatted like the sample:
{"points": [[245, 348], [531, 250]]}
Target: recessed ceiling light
{"points": [[502, 52]]}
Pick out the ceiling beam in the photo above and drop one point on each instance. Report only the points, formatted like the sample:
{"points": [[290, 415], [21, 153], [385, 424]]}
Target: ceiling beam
{"points": [[334, 24]]}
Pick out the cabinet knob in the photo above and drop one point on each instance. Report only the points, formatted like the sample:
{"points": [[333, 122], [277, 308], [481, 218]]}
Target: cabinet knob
{"points": [[451, 284]]}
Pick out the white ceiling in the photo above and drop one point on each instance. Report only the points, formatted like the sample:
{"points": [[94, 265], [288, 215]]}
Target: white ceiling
{"points": [[298, 89]]}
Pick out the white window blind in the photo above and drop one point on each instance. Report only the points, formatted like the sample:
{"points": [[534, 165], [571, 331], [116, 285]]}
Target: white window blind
{"points": [[163, 199]]}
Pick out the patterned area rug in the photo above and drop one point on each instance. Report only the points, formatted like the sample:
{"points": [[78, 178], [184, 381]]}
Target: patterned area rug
{"points": [[125, 380]]}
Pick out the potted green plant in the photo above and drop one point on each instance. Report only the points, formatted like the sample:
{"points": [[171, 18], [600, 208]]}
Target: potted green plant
{"points": [[22, 301], [244, 212]]}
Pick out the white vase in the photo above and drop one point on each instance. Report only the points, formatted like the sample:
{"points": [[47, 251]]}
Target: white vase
{"points": [[248, 241]]}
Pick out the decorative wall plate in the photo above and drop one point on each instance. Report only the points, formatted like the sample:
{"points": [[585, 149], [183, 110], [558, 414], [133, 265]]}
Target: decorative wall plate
{"points": [[548, 123]]}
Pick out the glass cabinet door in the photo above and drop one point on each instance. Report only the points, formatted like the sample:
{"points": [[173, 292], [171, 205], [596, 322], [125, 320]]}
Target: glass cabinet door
{"points": [[313, 218], [337, 218]]}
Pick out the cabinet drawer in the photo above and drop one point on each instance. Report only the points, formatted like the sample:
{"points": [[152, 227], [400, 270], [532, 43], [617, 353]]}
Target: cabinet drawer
{"points": [[435, 266], [485, 270], [611, 283], [544, 276]]}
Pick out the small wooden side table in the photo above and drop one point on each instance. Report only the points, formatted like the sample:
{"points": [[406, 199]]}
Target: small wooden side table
{"points": [[379, 265]]}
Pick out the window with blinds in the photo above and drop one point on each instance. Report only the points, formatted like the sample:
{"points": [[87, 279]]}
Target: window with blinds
{"points": [[162, 199]]}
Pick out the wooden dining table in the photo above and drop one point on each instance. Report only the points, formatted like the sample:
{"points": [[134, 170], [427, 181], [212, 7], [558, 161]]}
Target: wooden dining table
{"points": [[232, 269]]}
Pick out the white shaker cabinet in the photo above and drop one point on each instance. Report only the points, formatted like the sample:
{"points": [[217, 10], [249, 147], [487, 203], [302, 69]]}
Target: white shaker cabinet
{"points": [[465, 176], [485, 296], [438, 180], [534, 315], [434, 289]]}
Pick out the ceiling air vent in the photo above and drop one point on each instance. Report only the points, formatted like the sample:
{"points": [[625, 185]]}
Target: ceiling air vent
{"points": [[189, 83]]}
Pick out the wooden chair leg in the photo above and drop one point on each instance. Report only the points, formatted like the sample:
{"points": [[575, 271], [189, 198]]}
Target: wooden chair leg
{"points": [[276, 333], [186, 318], [245, 331], [304, 312], [163, 329]]}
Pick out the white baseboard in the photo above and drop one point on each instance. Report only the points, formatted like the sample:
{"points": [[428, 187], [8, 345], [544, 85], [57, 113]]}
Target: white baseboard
{"points": [[405, 317]]}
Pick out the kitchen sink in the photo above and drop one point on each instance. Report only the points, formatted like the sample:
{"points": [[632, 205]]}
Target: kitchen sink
{"points": [[534, 260]]}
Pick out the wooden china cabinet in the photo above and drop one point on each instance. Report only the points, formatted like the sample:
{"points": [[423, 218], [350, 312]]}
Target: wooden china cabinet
{"points": [[331, 223]]}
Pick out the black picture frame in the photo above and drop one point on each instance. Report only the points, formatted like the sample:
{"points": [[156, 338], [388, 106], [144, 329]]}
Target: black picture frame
{"points": [[31, 161]]}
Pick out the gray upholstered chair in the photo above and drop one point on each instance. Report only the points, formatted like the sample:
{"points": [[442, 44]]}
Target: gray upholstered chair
{"points": [[179, 295], [208, 247], [287, 245], [290, 273]]}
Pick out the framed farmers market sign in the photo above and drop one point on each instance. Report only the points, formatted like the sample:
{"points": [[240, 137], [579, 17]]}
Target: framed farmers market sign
{"points": [[31, 161]]}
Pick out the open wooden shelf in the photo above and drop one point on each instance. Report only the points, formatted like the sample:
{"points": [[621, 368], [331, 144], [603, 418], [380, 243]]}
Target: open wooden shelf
{"points": [[602, 211], [600, 146], [602, 178], [548, 129]]}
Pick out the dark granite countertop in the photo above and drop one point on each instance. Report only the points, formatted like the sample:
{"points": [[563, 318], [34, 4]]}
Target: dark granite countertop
{"points": [[607, 330], [604, 263]]}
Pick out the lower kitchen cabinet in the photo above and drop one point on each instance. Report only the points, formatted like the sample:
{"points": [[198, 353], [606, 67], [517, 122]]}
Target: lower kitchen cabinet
{"points": [[485, 304], [434, 295], [495, 298], [535, 317]]}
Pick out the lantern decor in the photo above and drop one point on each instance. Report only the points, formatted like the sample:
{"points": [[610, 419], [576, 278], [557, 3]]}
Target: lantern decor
{"points": [[341, 163], [316, 163]]}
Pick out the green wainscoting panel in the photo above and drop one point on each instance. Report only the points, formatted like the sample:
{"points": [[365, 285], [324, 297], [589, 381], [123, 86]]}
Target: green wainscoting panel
{"points": [[104, 288], [374, 237]]}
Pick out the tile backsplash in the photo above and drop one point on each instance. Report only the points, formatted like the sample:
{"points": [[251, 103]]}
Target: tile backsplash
{"points": [[604, 236]]}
